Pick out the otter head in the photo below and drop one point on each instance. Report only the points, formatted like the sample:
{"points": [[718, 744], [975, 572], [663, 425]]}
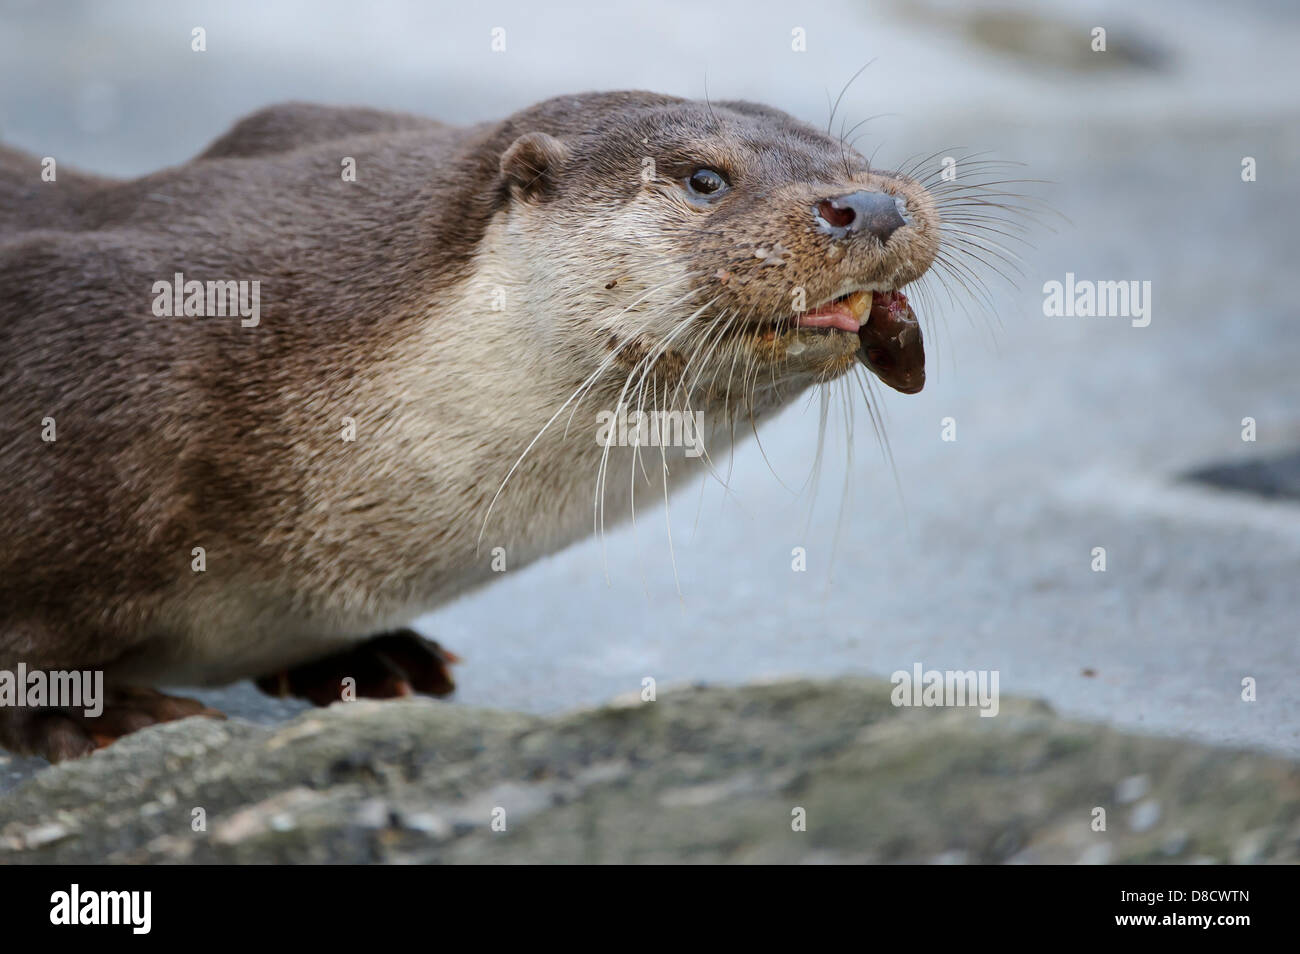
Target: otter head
{"points": [[724, 250]]}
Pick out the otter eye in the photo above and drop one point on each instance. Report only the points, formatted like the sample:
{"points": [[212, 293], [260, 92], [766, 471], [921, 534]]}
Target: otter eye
{"points": [[707, 182]]}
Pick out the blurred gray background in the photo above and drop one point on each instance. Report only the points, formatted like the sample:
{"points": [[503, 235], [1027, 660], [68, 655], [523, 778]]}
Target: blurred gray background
{"points": [[1072, 433]]}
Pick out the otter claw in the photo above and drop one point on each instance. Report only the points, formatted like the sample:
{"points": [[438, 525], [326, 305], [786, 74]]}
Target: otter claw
{"points": [[396, 664]]}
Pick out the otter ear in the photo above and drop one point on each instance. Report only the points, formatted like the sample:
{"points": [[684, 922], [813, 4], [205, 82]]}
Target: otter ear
{"points": [[531, 164]]}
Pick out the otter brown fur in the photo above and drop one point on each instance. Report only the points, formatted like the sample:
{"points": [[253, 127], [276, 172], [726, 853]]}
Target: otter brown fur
{"points": [[452, 302]]}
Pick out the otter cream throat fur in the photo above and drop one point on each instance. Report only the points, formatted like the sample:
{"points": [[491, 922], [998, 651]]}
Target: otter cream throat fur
{"points": [[257, 414]]}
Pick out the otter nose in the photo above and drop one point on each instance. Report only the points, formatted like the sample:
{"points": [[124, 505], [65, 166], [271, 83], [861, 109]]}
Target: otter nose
{"points": [[874, 213]]}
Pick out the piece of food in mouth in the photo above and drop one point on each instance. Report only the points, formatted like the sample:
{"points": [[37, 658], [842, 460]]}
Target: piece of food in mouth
{"points": [[890, 343], [889, 339]]}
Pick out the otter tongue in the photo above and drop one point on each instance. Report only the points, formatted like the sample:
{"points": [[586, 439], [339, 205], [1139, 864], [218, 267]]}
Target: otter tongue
{"points": [[843, 313], [890, 343]]}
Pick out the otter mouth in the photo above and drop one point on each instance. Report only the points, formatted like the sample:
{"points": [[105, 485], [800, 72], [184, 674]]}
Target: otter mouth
{"points": [[842, 314], [890, 343]]}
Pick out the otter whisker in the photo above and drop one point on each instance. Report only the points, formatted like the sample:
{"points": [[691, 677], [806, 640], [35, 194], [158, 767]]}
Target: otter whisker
{"points": [[753, 424], [726, 407], [713, 332], [981, 248], [668, 523], [860, 123], [724, 329], [598, 505], [967, 165], [629, 339], [999, 222], [868, 390], [918, 161], [852, 79], [842, 390], [595, 374], [813, 479], [983, 255], [971, 283]]}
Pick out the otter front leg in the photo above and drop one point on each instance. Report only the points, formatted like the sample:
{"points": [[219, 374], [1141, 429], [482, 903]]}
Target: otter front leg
{"points": [[395, 664], [57, 734]]}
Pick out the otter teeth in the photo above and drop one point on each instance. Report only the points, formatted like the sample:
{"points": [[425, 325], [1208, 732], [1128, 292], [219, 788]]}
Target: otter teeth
{"points": [[859, 303]]}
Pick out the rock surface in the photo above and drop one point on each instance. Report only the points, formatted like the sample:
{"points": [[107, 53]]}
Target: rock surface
{"points": [[701, 775]]}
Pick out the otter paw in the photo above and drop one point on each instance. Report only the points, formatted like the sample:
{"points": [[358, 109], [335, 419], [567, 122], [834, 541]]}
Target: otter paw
{"points": [[395, 664], [57, 734]]}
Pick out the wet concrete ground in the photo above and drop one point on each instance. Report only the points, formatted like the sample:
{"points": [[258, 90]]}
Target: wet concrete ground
{"points": [[1071, 433]]}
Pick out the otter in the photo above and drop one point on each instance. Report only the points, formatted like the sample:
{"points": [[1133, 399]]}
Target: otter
{"points": [[198, 491]]}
